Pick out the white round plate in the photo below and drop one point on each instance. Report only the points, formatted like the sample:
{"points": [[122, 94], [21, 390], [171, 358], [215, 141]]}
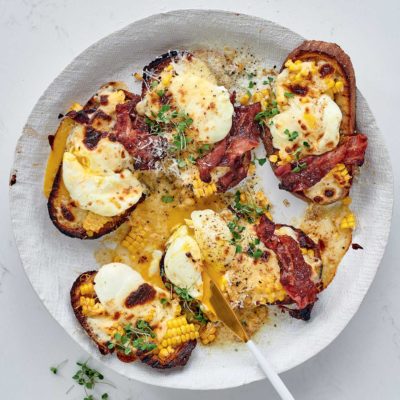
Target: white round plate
{"points": [[52, 261]]}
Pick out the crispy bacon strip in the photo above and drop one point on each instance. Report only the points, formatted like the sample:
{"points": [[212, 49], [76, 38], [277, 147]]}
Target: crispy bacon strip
{"points": [[351, 153], [295, 272], [132, 131], [233, 151]]}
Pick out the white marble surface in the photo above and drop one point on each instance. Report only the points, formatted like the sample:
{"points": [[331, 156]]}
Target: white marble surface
{"points": [[38, 39]]}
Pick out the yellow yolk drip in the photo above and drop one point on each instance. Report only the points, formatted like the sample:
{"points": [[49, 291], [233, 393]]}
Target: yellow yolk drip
{"points": [[153, 223], [56, 154]]}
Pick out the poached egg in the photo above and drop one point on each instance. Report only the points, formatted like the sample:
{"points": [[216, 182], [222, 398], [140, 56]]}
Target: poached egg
{"points": [[193, 89], [316, 122]]}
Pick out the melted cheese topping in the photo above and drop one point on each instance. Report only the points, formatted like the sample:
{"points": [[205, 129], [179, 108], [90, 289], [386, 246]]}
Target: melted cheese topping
{"points": [[253, 282], [327, 190], [213, 236], [113, 284], [307, 76], [106, 157], [106, 195], [316, 122], [193, 90]]}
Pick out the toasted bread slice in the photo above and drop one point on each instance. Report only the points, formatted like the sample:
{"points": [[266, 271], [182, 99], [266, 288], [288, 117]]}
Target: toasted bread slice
{"points": [[75, 222], [67, 216], [315, 50], [154, 69], [178, 358], [323, 187]]}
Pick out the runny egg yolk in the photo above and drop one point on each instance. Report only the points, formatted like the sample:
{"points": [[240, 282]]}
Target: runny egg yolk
{"points": [[190, 251]]}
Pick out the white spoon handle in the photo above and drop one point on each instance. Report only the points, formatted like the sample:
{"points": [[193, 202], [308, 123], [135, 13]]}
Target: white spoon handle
{"points": [[269, 371]]}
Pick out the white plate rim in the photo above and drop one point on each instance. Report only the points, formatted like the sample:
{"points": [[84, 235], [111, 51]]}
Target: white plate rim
{"points": [[386, 214]]}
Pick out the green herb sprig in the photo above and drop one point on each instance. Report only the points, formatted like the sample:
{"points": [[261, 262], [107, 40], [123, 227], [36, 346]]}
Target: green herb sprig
{"points": [[291, 135], [55, 369], [247, 210], [138, 336], [190, 304]]}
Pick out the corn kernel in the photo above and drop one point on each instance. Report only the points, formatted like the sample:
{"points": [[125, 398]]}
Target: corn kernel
{"points": [[265, 92], [257, 97], [273, 158], [166, 79], [138, 76], [244, 99], [169, 67], [339, 86], [163, 353], [211, 338], [330, 83], [75, 107]]}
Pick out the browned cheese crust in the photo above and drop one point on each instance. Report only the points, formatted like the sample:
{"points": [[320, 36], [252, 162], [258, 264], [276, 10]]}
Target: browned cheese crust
{"points": [[86, 277], [68, 218], [177, 359]]}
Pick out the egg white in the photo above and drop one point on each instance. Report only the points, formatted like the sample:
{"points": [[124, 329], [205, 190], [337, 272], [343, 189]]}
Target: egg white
{"points": [[114, 282], [183, 262], [320, 130], [213, 236], [106, 195], [194, 90]]}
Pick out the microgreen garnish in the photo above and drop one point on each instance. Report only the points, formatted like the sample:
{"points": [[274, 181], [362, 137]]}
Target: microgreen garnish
{"points": [[289, 95], [87, 376], [247, 210], [261, 161], [153, 84], [306, 144], [181, 163], [167, 199], [237, 238], [253, 250], [291, 135], [205, 147], [104, 396], [55, 369], [191, 159], [251, 75], [236, 231], [269, 112], [248, 93], [180, 140], [164, 301], [190, 304], [251, 84], [299, 167], [134, 337], [160, 93]]}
